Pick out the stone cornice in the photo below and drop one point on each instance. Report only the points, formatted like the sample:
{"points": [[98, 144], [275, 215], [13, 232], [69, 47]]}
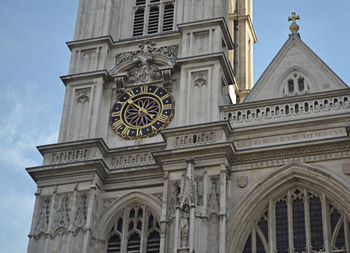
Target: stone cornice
{"points": [[85, 75], [68, 172], [90, 42], [197, 128], [208, 22], [220, 56], [98, 142], [204, 155], [129, 41]]}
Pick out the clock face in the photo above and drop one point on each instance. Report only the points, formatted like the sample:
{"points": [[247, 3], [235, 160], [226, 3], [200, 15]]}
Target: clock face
{"points": [[142, 112]]}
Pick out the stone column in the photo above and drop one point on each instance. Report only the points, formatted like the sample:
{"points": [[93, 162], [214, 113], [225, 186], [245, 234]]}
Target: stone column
{"points": [[89, 216], [51, 219], [164, 212], [222, 222], [72, 219], [34, 219]]}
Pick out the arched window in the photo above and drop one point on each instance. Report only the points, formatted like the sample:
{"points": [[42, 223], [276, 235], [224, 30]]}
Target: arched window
{"points": [[299, 221], [135, 230], [153, 16]]}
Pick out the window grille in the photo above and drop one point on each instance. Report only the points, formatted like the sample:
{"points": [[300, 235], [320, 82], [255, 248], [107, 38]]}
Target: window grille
{"points": [[153, 16], [298, 225], [136, 230]]}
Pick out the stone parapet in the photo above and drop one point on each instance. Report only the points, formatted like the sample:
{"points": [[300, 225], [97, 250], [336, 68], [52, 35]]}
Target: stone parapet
{"points": [[286, 109]]}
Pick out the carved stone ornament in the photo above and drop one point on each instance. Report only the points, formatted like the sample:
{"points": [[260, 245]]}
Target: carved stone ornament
{"points": [[81, 213], [146, 49], [61, 220], [346, 168], [242, 181], [42, 224], [82, 96], [184, 223], [149, 64], [213, 198], [172, 199]]}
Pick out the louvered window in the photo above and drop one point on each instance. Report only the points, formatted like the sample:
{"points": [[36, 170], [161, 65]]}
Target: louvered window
{"points": [[153, 20], [153, 16], [138, 22], [136, 230], [168, 17], [299, 219]]}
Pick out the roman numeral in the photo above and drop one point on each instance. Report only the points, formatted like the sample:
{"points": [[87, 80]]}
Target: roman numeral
{"points": [[143, 89], [115, 114], [162, 118], [165, 96], [139, 132], [167, 106], [153, 128], [131, 93], [117, 124], [126, 130]]}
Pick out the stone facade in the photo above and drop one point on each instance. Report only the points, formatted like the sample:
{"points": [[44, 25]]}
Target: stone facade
{"points": [[270, 173]]}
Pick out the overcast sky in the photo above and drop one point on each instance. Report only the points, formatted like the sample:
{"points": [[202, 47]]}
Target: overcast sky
{"points": [[33, 55]]}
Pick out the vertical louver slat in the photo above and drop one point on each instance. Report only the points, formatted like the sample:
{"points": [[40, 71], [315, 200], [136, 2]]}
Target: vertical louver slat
{"points": [[153, 20], [168, 18], [138, 22]]}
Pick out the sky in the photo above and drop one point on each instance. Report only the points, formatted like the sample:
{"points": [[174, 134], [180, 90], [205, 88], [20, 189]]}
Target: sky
{"points": [[33, 55]]}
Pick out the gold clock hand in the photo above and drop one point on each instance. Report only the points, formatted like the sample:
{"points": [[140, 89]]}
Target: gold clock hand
{"points": [[141, 109], [146, 112]]}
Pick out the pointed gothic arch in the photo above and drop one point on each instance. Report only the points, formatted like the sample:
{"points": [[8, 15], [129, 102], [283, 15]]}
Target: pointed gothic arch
{"points": [[285, 179], [109, 216], [309, 82]]}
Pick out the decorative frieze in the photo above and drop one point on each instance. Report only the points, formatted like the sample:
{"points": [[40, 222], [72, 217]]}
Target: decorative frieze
{"points": [[287, 111], [301, 154], [70, 156], [291, 138], [129, 160], [195, 139], [169, 52]]}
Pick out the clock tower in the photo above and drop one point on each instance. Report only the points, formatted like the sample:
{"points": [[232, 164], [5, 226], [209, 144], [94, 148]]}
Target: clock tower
{"points": [[165, 147], [146, 78]]}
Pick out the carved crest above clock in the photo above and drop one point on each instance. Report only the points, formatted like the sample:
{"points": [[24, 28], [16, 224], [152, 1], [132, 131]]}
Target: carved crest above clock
{"points": [[149, 64]]}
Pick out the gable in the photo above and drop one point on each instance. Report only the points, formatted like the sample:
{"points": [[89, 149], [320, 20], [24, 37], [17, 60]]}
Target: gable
{"points": [[296, 70]]}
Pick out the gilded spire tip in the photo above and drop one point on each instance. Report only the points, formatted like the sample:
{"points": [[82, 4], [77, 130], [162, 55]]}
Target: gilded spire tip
{"points": [[294, 27]]}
